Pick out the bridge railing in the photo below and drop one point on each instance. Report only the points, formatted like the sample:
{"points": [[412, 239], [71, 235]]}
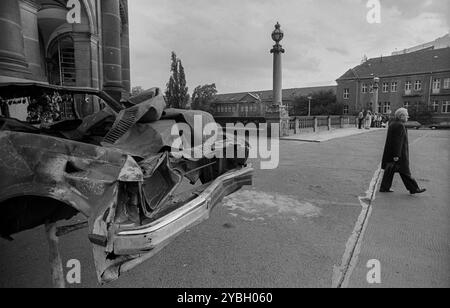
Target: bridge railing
{"points": [[320, 123], [299, 125]]}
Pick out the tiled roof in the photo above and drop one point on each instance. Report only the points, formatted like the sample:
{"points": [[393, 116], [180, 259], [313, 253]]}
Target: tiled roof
{"points": [[266, 96], [423, 61]]}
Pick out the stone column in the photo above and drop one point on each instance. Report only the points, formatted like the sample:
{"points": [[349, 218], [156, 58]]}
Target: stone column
{"points": [[277, 113], [83, 56], [94, 62], [277, 75], [35, 59], [85, 45], [12, 52], [125, 49], [112, 55]]}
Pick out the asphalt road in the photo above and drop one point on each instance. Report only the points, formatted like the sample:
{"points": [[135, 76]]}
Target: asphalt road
{"points": [[290, 229]]}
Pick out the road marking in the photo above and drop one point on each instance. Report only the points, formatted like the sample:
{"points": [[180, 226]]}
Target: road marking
{"points": [[342, 274]]}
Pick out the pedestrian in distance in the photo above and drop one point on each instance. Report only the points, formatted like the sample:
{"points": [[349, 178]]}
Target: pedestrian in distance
{"points": [[378, 121], [368, 120], [396, 155], [360, 119]]}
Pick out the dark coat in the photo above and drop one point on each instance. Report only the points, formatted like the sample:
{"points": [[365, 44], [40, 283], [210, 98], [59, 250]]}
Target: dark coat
{"points": [[397, 145]]}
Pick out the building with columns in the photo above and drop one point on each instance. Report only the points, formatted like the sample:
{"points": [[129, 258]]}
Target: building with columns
{"points": [[39, 43]]}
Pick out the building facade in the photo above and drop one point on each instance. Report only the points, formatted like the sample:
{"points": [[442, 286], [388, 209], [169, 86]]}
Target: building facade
{"points": [[81, 43], [255, 104], [419, 81]]}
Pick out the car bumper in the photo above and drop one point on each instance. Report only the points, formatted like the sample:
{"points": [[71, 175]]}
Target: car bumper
{"points": [[158, 233]]}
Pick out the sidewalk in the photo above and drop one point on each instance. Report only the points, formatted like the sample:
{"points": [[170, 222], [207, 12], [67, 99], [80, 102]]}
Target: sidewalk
{"points": [[324, 136], [409, 235]]}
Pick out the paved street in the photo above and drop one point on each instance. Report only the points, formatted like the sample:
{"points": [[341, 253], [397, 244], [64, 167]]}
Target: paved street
{"points": [[292, 228]]}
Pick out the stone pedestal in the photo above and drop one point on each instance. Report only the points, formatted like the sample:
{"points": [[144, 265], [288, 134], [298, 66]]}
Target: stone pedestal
{"points": [[277, 114], [12, 51]]}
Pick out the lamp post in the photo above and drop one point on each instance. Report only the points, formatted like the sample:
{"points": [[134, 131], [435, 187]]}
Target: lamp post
{"points": [[309, 105], [277, 113], [376, 88], [277, 51]]}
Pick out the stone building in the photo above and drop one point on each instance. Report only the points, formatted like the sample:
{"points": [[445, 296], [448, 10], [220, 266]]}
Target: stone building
{"points": [[255, 104], [81, 43], [419, 81]]}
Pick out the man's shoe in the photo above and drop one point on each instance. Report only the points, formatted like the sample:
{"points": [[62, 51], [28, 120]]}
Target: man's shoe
{"points": [[386, 191], [420, 191]]}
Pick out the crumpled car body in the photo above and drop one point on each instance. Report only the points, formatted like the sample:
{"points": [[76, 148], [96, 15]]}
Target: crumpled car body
{"points": [[117, 168]]}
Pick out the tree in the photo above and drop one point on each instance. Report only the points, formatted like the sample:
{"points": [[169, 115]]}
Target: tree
{"points": [[322, 103], [300, 106], [177, 93], [421, 113], [203, 97]]}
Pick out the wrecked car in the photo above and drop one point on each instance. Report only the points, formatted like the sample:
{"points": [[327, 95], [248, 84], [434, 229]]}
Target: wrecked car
{"points": [[116, 167]]}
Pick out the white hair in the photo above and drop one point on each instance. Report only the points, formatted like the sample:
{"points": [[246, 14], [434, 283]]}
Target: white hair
{"points": [[400, 112]]}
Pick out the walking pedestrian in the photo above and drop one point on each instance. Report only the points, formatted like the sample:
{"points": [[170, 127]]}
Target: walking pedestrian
{"points": [[396, 155]]}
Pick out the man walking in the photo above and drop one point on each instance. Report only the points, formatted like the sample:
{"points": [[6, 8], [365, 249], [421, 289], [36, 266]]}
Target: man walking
{"points": [[396, 155]]}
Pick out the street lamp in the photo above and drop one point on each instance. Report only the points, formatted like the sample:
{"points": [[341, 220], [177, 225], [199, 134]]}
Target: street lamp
{"points": [[309, 105], [376, 87], [277, 34], [277, 51]]}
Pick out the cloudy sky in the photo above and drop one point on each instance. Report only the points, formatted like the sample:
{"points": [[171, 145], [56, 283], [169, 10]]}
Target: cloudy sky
{"points": [[227, 42]]}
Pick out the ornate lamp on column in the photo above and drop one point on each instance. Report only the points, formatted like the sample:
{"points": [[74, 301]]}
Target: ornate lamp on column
{"points": [[277, 113], [376, 88]]}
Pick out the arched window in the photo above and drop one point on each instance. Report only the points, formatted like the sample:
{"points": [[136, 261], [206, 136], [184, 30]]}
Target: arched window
{"points": [[61, 62]]}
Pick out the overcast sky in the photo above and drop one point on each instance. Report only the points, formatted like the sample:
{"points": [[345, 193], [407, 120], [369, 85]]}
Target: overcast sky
{"points": [[227, 42]]}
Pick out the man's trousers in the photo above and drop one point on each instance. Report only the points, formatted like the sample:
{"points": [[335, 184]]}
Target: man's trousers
{"points": [[410, 183]]}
